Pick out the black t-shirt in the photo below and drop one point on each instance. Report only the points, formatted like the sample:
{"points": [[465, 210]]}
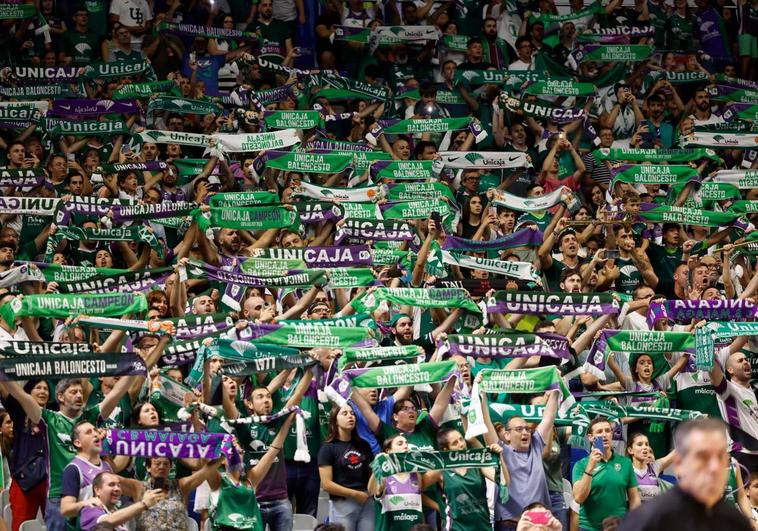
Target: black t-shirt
{"points": [[350, 463], [678, 510], [328, 20]]}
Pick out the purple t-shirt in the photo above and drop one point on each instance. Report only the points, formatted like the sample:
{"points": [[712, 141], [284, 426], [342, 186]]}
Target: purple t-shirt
{"points": [[89, 517], [528, 483]]}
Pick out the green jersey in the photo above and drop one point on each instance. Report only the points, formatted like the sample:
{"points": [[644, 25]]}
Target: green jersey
{"points": [[611, 481], [422, 438], [467, 500], [680, 33], [81, 47], [60, 451], [629, 276], [236, 507]]}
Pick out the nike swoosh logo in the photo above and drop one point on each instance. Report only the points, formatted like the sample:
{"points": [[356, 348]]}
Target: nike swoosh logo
{"points": [[511, 159], [65, 107], [452, 159]]}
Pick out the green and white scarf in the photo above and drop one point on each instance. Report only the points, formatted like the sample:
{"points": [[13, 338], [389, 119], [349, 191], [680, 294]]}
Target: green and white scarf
{"points": [[562, 87], [419, 297], [526, 204], [251, 218], [237, 143], [419, 461], [519, 270], [721, 140], [654, 155], [180, 105], [62, 306], [687, 216], [402, 169], [411, 191], [380, 354], [19, 11], [742, 179], [348, 195], [59, 127], [292, 119], [655, 174], [707, 336]]}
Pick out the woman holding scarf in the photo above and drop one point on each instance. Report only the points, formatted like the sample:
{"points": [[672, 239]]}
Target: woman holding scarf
{"points": [[642, 369], [464, 488], [399, 496], [343, 465]]}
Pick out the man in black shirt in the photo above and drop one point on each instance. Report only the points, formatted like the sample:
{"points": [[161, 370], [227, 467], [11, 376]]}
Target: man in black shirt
{"points": [[697, 502]]}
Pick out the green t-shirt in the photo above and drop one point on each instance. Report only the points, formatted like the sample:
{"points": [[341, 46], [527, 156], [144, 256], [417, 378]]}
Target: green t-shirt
{"points": [[541, 219], [664, 261], [273, 37], [608, 491], [680, 33], [236, 507], [81, 47], [422, 438], [60, 451], [467, 501], [98, 16], [629, 276]]}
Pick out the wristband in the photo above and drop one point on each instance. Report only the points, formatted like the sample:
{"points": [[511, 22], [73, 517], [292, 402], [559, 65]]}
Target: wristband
{"points": [[590, 475], [275, 447]]}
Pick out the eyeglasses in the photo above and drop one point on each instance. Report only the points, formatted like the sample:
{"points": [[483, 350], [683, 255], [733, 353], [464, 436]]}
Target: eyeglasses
{"points": [[520, 429], [409, 409]]}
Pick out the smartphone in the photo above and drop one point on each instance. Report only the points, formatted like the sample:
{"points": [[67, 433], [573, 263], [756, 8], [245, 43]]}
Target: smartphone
{"points": [[538, 517], [437, 218], [493, 211], [597, 442], [160, 483], [611, 254]]}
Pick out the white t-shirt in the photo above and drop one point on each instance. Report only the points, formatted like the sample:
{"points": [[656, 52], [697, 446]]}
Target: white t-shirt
{"points": [[132, 13], [521, 65], [738, 405]]}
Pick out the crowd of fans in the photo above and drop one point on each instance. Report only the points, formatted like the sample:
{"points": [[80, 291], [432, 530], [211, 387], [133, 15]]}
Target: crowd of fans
{"points": [[453, 264]]}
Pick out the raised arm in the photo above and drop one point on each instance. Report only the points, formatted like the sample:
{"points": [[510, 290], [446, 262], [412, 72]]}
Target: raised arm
{"points": [[364, 407], [548, 419], [28, 404], [442, 401], [259, 471]]}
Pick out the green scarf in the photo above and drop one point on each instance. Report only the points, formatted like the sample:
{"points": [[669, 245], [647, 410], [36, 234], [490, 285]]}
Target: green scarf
{"points": [[81, 128], [292, 119], [386, 465], [655, 155], [401, 375], [687, 216], [402, 169], [253, 218], [656, 174], [431, 125], [178, 105], [366, 355], [707, 336], [145, 90], [19, 11], [420, 297], [237, 199], [415, 191], [561, 87], [62, 306], [131, 233], [651, 342]]}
